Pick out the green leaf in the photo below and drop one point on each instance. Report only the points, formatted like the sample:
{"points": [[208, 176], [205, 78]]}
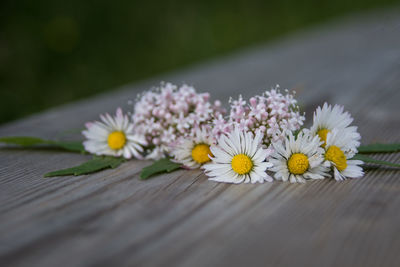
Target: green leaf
{"points": [[160, 166], [94, 165], [27, 141], [379, 148], [367, 159], [22, 140], [70, 146]]}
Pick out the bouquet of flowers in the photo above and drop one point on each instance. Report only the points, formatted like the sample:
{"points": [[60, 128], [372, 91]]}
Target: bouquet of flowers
{"points": [[262, 139]]}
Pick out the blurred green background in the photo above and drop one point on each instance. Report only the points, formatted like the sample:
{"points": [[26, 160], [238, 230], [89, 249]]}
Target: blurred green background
{"points": [[52, 52]]}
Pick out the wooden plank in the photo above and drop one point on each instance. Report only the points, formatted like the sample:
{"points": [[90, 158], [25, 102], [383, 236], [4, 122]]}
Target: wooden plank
{"points": [[182, 219]]}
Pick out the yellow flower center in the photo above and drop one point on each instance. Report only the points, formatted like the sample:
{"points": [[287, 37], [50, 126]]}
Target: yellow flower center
{"points": [[242, 164], [336, 155], [116, 140], [298, 163], [200, 153], [323, 133]]}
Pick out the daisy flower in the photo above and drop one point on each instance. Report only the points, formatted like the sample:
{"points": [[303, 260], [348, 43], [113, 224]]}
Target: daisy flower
{"points": [[337, 156], [328, 118], [238, 157], [113, 136], [297, 159], [194, 151]]}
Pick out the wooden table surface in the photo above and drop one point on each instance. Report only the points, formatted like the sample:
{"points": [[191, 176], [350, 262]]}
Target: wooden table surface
{"points": [[112, 218]]}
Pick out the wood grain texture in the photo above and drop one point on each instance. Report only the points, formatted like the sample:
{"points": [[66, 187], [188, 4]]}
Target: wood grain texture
{"points": [[112, 218]]}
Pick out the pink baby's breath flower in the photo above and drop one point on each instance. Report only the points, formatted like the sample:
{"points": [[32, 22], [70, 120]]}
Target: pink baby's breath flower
{"points": [[273, 113], [169, 113]]}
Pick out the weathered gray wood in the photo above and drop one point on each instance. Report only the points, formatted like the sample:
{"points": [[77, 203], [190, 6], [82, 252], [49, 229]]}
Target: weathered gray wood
{"points": [[182, 219]]}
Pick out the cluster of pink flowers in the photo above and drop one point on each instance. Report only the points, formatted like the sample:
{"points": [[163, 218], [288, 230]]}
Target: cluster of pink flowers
{"points": [[167, 113], [273, 113]]}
